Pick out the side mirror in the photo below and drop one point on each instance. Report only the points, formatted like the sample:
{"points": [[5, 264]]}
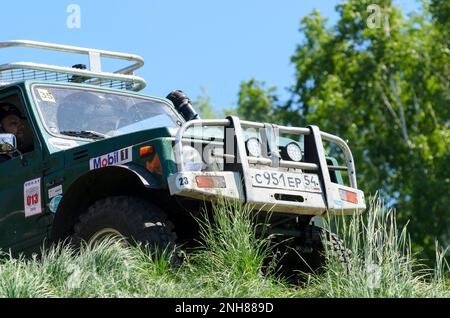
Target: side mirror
{"points": [[8, 144]]}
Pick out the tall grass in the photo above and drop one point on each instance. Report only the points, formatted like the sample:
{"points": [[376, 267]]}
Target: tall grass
{"points": [[231, 262], [381, 262]]}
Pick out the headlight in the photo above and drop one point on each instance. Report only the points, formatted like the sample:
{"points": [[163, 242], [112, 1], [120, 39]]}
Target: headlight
{"points": [[292, 152], [253, 147], [192, 159]]}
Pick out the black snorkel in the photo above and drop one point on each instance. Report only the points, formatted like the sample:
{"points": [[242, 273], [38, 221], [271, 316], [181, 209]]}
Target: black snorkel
{"points": [[183, 105]]}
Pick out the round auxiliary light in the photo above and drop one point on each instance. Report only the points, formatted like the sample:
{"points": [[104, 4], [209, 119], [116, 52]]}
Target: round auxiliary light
{"points": [[253, 147], [292, 152], [192, 159]]}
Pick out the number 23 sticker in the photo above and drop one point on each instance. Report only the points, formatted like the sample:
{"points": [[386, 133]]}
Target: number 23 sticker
{"points": [[183, 181], [32, 197]]}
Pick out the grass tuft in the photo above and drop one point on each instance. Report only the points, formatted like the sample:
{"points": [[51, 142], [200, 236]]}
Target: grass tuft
{"points": [[381, 262]]}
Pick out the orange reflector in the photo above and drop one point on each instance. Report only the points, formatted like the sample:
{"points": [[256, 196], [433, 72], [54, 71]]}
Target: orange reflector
{"points": [[154, 165], [146, 151], [210, 182], [348, 196]]}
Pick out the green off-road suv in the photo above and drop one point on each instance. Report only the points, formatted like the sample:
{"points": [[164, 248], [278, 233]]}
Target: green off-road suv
{"points": [[83, 154]]}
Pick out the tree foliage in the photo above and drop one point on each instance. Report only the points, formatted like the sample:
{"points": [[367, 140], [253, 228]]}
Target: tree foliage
{"points": [[381, 81], [203, 105], [257, 102], [206, 110]]}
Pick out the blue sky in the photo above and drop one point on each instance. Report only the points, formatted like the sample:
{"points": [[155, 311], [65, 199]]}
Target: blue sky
{"points": [[186, 44]]}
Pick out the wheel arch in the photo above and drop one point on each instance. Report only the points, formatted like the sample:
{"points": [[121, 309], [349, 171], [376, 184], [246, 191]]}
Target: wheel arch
{"points": [[96, 185]]}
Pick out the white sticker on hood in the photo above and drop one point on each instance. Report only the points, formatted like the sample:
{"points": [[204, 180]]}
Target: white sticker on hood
{"points": [[62, 144]]}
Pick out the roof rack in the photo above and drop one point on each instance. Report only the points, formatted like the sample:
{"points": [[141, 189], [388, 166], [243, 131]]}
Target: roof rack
{"points": [[121, 79]]}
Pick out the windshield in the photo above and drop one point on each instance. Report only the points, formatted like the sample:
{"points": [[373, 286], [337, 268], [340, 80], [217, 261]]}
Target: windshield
{"points": [[96, 115]]}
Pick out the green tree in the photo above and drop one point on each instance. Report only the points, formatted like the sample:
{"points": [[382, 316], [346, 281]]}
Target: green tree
{"points": [[205, 108], [440, 10], [256, 102], [230, 111], [385, 89], [203, 105]]}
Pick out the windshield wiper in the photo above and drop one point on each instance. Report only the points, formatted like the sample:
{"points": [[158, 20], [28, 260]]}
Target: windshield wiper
{"points": [[84, 134]]}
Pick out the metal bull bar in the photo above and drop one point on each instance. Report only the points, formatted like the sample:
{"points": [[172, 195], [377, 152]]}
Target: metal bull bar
{"points": [[313, 148]]}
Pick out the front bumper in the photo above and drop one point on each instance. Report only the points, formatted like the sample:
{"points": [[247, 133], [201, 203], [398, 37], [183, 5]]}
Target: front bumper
{"points": [[236, 181], [266, 199]]}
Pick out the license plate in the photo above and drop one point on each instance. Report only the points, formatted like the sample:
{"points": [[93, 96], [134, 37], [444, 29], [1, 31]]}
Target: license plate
{"points": [[285, 180]]}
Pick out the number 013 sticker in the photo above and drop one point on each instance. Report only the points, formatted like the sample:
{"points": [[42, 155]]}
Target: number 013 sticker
{"points": [[32, 197]]}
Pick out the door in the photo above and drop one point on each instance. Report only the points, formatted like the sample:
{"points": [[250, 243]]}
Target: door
{"points": [[23, 223]]}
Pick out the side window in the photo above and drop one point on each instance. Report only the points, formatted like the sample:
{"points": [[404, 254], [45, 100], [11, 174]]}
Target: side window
{"points": [[13, 120]]}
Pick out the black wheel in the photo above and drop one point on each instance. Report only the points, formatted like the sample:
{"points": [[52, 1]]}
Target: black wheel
{"points": [[134, 219], [337, 248], [307, 253]]}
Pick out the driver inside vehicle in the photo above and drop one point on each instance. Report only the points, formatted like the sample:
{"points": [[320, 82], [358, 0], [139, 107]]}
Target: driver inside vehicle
{"points": [[13, 122]]}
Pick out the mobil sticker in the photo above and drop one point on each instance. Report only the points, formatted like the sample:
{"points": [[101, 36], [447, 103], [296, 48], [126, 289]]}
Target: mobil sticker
{"points": [[118, 157]]}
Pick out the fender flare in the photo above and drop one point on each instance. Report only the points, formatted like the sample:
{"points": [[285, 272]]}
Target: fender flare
{"points": [[146, 177], [81, 193]]}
